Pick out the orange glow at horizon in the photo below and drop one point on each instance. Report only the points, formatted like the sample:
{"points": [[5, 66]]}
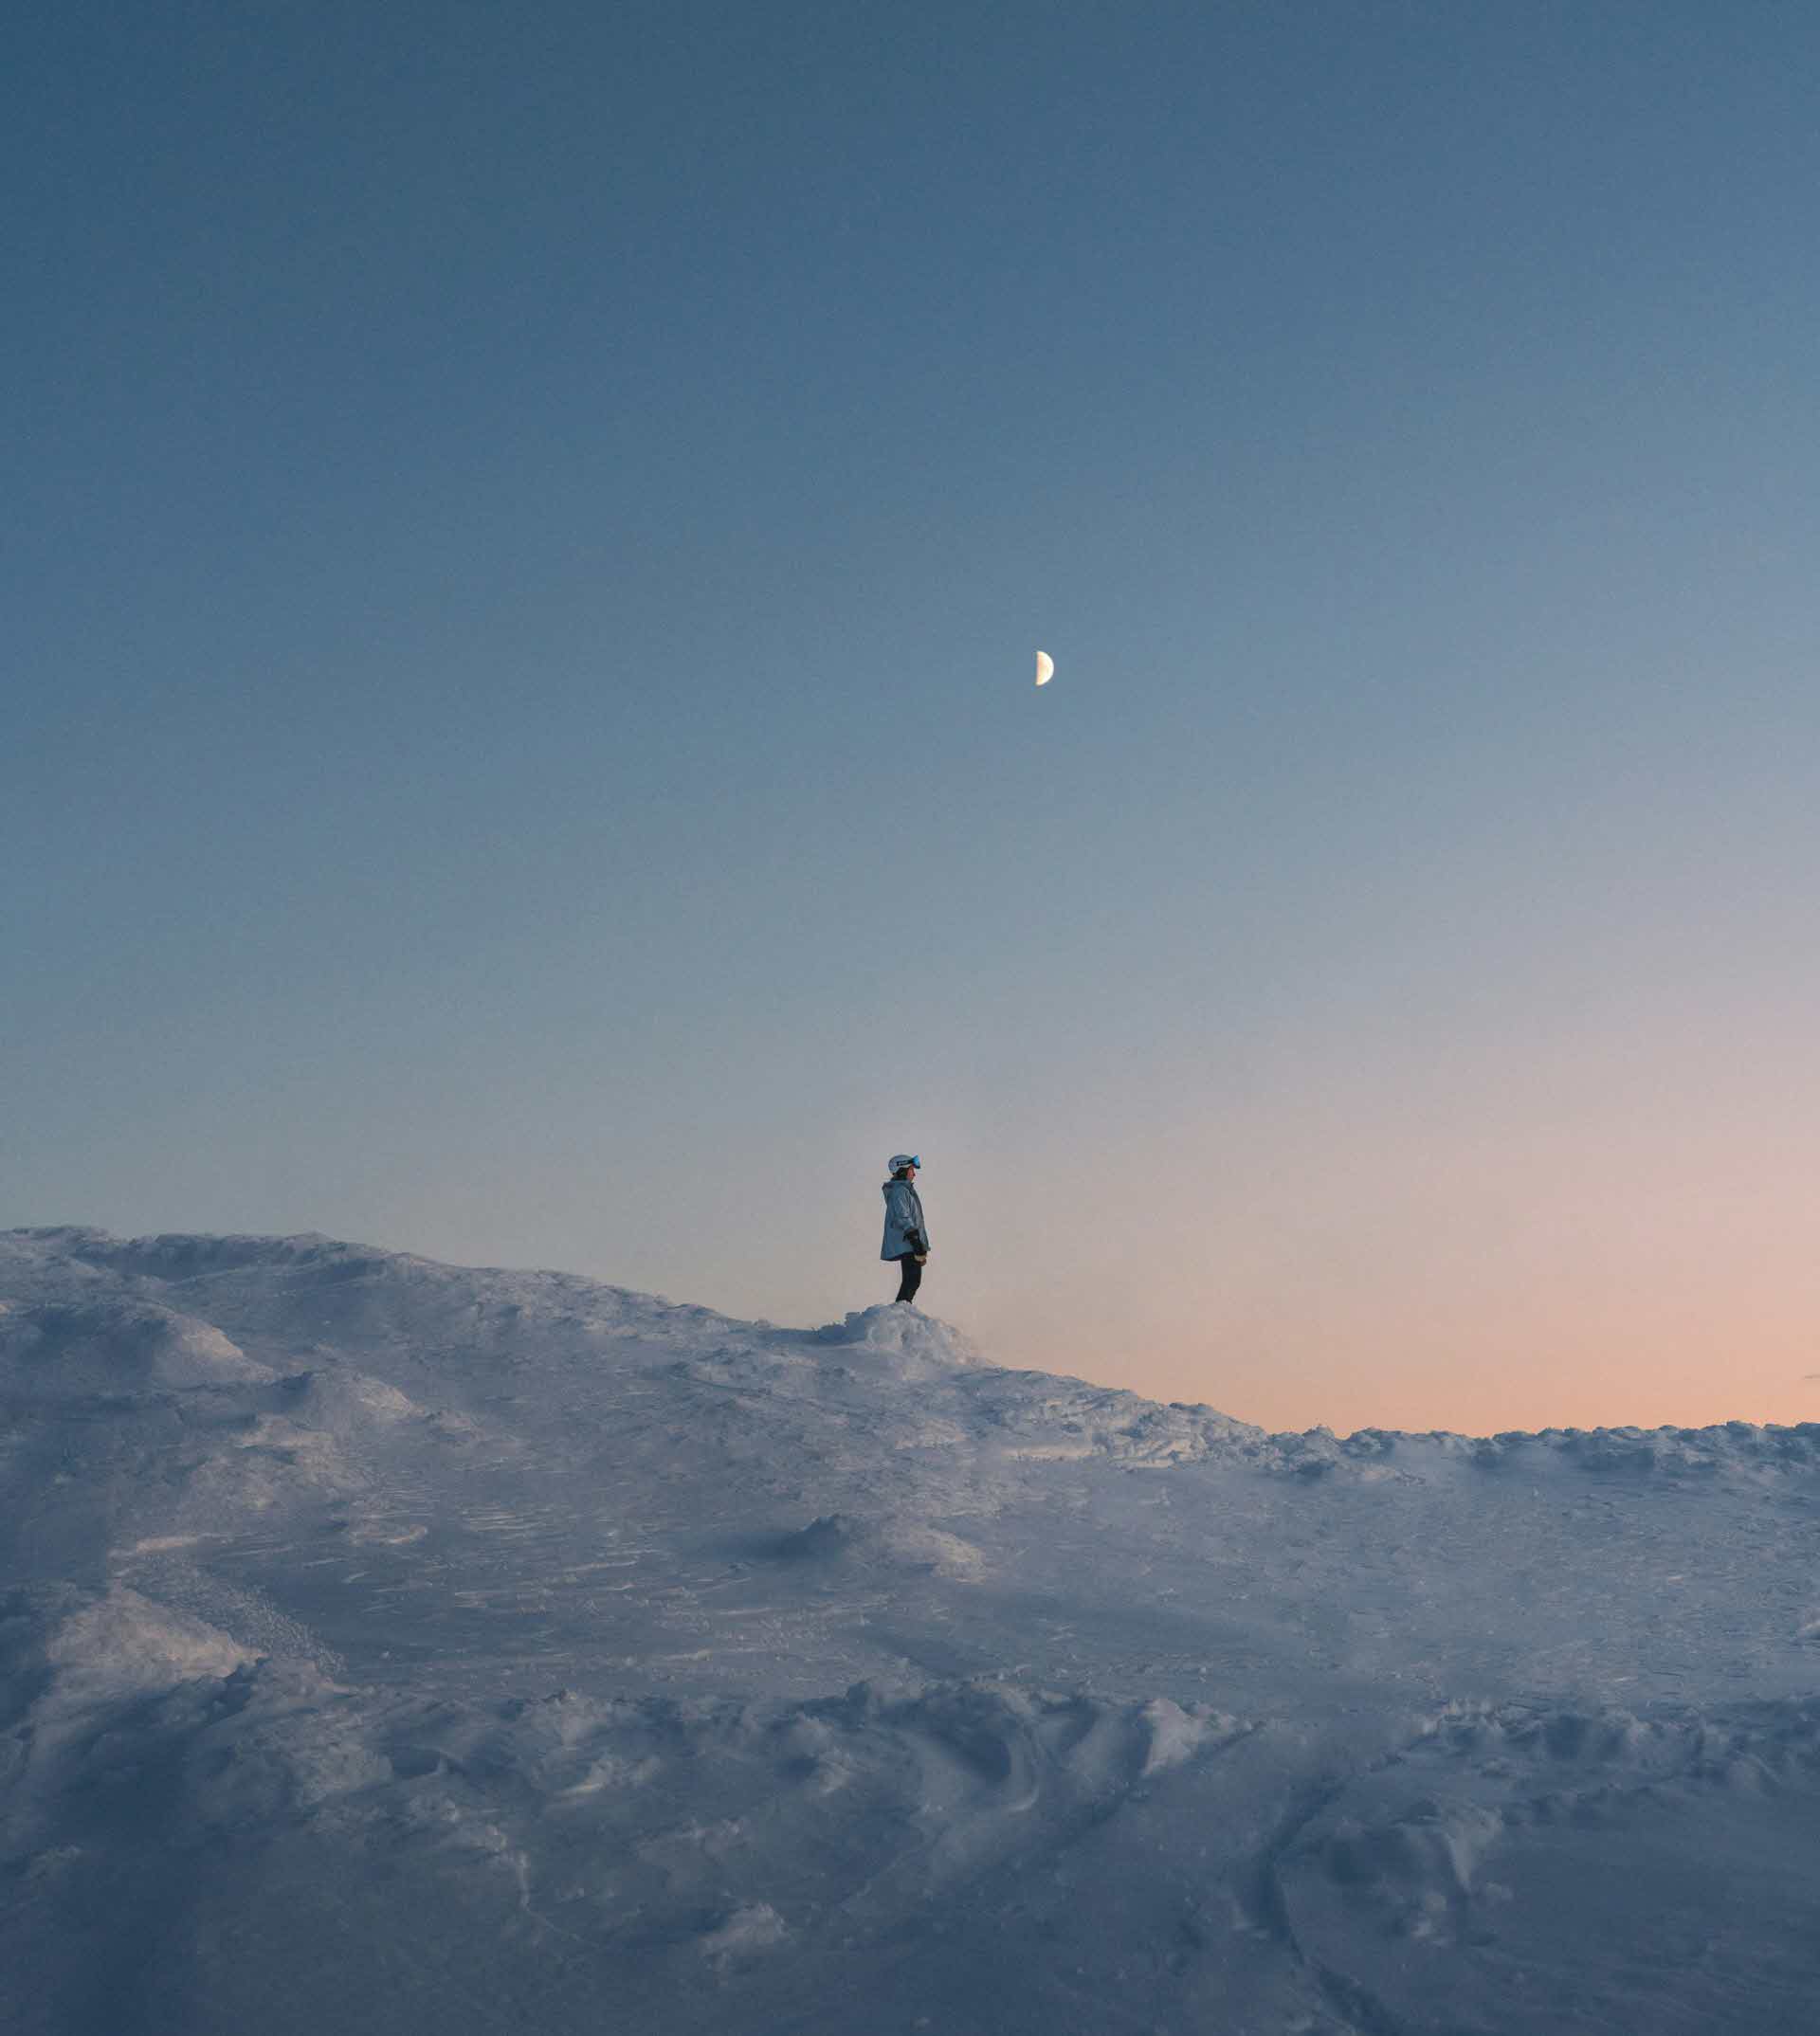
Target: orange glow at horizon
{"points": [[1615, 1238]]}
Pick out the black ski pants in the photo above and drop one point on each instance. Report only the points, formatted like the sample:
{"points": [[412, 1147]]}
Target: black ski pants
{"points": [[912, 1277]]}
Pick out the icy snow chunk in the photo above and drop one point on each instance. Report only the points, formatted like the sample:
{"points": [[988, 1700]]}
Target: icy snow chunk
{"points": [[754, 1927], [126, 1646], [1177, 1735]]}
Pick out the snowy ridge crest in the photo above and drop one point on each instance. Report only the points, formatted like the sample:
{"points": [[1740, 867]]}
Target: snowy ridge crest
{"points": [[203, 1288]]}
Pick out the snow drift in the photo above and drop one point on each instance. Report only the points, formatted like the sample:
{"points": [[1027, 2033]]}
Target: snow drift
{"points": [[391, 1646]]}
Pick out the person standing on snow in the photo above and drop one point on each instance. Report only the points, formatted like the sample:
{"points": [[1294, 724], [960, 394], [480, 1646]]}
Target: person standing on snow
{"points": [[906, 1240]]}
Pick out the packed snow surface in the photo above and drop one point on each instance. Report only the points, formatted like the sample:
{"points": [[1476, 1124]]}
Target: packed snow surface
{"points": [[392, 1647]]}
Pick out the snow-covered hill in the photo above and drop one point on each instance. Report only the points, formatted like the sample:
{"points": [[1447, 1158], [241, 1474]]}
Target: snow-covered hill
{"points": [[387, 1645]]}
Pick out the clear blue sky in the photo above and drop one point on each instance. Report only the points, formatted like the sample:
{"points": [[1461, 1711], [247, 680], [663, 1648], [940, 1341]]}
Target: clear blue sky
{"points": [[528, 528]]}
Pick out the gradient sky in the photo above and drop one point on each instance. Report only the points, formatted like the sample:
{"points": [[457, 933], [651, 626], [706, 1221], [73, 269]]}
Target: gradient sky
{"points": [[528, 528]]}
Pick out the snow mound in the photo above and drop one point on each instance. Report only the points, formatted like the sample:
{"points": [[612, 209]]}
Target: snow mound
{"points": [[81, 1349], [346, 1403], [913, 1345], [840, 1537]]}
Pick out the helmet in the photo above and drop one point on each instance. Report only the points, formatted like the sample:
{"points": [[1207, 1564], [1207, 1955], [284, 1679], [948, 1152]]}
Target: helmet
{"points": [[902, 1159]]}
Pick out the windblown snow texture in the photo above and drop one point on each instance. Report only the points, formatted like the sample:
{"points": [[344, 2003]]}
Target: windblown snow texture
{"points": [[390, 1647]]}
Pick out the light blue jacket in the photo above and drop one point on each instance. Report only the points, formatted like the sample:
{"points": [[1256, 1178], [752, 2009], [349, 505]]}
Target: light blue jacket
{"points": [[902, 1215]]}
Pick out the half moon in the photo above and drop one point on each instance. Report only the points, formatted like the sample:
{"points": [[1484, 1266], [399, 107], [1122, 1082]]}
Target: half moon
{"points": [[1045, 667]]}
